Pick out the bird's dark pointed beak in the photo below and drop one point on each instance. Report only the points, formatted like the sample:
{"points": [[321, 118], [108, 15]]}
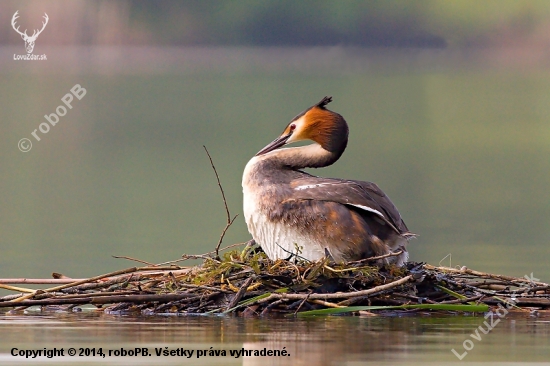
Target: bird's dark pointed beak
{"points": [[275, 144]]}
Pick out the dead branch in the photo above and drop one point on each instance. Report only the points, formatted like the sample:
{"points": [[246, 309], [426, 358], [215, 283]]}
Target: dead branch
{"points": [[239, 295], [39, 281], [229, 219], [98, 300]]}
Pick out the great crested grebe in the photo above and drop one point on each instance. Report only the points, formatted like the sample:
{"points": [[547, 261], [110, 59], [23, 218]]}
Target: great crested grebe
{"points": [[290, 212]]}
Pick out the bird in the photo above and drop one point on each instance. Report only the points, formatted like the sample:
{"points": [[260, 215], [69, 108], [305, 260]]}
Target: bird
{"points": [[293, 214]]}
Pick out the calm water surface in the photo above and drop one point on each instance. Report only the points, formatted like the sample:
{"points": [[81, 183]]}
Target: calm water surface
{"points": [[321, 341]]}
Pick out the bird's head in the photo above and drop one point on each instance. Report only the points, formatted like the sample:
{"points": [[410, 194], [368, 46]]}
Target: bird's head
{"points": [[318, 124]]}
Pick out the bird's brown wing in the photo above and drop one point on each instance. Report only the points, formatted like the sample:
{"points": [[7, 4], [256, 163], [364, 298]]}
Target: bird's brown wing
{"points": [[365, 196]]}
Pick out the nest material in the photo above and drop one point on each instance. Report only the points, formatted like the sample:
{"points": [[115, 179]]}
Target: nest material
{"points": [[248, 283]]}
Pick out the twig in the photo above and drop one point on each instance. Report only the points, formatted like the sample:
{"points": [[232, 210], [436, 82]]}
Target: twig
{"points": [[370, 259], [202, 287], [483, 274], [81, 282], [461, 301], [171, 262], [198, 256], [17, 289], [99, 300], [301, 304], [337, 295], [93, 294], [133, 259], [10, 297], [238, 296], [268, 308], [39, 281], [520, 302], [174, 280], [229, 219], [226, 247], [327, 304]]}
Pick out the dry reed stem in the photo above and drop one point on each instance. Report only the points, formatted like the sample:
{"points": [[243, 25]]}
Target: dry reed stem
{"points": [[133, 259], [229, 219], [84, 281], [17, 289], [326, 303], [370, 259], [81, 282], [484, 275], [98, 300], [39, 281], [337, 295]]}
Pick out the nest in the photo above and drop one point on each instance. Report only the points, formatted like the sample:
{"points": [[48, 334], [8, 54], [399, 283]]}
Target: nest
{"points": [[247, 283]]}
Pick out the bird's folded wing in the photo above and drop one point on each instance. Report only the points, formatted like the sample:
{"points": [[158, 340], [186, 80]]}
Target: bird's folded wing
{"points": [[363, 195]]}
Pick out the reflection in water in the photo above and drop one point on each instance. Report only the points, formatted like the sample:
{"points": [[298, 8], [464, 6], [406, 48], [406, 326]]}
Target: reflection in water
{"points": [[319, 341]]}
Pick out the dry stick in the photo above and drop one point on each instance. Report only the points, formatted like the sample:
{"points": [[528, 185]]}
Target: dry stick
{"points": [[154, 268], [81, 282], [134, 259], [392, 254], [172, 262], [460, 301], [229, 220], [355, 299], [327, 304], [271, 306], [227, 247], [148, 272], [10, 297], [301, 304], [238, 296], [61, 281], [415, 298], [540, 288], [98, 300], [483, 274], [337, 295], [199, 256], [205, 255], [108, 283], [473, 288], [39, 281], [17, 289], [53, 296], [174, 280], [520, 301], [201, 287]]}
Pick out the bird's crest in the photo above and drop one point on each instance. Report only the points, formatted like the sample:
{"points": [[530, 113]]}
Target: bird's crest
{"points": [[323, 102]]}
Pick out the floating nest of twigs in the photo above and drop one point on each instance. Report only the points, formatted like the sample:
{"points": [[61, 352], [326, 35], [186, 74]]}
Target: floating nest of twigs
{"points": [[247, 283]]}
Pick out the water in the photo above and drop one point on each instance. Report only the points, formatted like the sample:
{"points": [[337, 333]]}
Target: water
{"points": [[417, 339], [459, 140]]}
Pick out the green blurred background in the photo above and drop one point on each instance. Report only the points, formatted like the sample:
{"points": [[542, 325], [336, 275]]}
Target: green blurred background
{"points": [[448, 104]]}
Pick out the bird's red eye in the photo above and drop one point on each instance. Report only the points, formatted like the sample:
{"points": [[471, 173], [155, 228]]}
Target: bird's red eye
{"points": [[292, 127]]}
